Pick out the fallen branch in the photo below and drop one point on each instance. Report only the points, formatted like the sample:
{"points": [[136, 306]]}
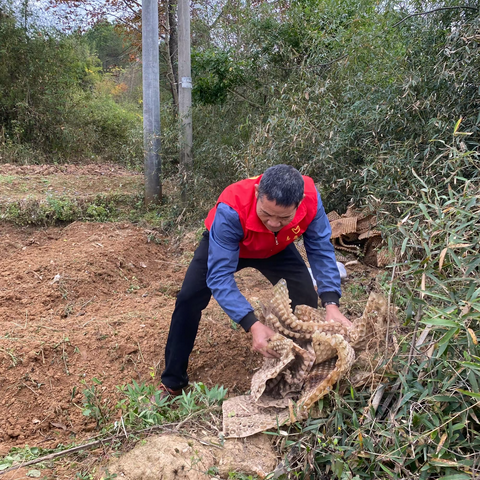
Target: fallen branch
{"points": [[53, 456], [195, 414]]}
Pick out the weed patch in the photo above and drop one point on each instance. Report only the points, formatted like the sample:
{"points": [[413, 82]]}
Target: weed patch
{"points": [[23, 455], [63, 209], [143, 405]]}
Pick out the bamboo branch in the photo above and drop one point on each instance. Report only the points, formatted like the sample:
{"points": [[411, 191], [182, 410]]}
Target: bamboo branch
{"points": [[389, 303], [195, 414], [244, 98], [320, 65], [465, 7]]}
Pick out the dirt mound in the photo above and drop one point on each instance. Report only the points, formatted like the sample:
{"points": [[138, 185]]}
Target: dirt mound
{"points": [[91, 301], [172, 457]]}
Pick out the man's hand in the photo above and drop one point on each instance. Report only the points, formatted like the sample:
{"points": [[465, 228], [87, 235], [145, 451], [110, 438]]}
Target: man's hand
{"points": [[260, 336], [332, 312]]}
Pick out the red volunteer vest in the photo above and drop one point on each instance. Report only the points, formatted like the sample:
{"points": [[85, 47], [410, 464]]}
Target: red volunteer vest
{"points": [[258, 241]]}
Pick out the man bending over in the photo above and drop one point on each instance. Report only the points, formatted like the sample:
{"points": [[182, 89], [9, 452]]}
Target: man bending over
{"points": [[254, 224]]}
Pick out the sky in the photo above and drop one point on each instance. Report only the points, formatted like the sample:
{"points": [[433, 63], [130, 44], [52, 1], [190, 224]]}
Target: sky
{"points": [[40, 14]]}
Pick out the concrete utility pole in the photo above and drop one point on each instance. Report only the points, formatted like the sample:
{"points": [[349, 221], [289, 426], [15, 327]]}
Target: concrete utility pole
{"points": [[185, 94], [151, 102]]}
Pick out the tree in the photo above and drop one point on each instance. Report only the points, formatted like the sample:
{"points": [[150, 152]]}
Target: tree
{"points": [[110, 43], [128, 14], [342, 90]]}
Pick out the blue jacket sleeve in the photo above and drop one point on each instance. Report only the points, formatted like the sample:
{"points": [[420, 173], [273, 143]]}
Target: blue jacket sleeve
{"points": [[321, 256], [223, 253]]}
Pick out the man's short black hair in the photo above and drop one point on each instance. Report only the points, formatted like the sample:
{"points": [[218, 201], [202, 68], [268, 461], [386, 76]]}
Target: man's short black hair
{"points": [[283, 185]]}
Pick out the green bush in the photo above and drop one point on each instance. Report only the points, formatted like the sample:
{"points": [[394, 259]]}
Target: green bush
{"points": [[342, 92], [101, 128], [34, 92], [142, 405], [216, 74]]}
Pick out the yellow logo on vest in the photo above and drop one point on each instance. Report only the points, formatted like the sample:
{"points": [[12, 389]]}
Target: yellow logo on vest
{"points": [[296, 230]]}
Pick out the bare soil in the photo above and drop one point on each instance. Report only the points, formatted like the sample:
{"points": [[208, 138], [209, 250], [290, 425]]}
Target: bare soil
{"points": [[94, 300]]}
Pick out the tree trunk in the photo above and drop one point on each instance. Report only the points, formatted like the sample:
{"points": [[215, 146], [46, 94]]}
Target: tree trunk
{"points": [[172, 49]]}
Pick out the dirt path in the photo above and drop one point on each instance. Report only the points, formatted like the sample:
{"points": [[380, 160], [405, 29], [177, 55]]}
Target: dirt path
{"points": [[94, 300]]}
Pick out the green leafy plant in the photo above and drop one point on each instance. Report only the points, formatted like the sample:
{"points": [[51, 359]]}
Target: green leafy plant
{"points": [[209, 396], [18, 455], [241, 476], [145, 406], [216, 74], [108, 476], [94, 405], [84, 476]]}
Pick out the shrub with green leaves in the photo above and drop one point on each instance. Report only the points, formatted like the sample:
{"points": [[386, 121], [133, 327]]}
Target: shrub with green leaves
{"points": [[103, 128], [34, 92], [217, 74]]}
